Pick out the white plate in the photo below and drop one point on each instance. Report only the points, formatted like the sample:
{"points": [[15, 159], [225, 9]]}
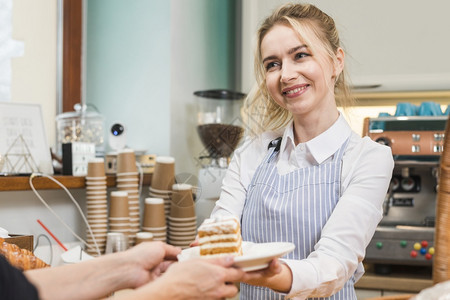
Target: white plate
{"points": [[255, 256]]}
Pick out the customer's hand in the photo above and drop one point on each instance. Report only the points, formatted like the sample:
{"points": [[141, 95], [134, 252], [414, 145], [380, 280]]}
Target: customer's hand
{"points": [[148, 261], [199, 279]]}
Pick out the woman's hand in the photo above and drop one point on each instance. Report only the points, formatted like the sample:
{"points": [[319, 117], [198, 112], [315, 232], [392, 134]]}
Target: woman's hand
{"points": [[276, 276]]}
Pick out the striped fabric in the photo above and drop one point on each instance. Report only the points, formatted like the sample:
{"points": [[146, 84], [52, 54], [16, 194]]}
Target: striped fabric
{"points": [[291, 208]]}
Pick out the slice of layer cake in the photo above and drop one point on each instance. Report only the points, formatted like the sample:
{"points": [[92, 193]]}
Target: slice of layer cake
{"points": [[220, 236]]}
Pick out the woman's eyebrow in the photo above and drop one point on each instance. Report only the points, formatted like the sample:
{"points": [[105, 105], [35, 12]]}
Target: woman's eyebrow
{"points": [[292, 50], [269, 58]]}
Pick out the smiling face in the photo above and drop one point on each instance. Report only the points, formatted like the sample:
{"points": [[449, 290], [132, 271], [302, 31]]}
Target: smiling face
{"points": [[298, 79]]}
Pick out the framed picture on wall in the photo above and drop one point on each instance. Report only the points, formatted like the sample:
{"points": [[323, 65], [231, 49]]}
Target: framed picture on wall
{"points": [[23, 142]]}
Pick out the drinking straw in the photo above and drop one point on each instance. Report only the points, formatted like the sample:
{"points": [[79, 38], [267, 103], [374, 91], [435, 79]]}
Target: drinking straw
{"points": [[53, 236]]}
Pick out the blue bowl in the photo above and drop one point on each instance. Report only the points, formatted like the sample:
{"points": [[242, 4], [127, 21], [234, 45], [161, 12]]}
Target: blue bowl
{"points": [[405, 109], [430, 109]]}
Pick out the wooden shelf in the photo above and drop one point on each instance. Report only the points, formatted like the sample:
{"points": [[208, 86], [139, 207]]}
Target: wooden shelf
{"points": [[405, 95], [391, 98], [21, 183]]}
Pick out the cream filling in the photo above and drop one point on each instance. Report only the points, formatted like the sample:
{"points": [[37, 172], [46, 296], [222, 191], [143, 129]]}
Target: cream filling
{"points": [[218, 237], [220, 245]]}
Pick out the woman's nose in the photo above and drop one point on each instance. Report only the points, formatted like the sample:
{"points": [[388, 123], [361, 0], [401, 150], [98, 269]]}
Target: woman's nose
{"points": [[288, 73]]}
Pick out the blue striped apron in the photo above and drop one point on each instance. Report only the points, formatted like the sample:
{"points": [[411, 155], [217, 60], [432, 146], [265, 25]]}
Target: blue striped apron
{"points": [[291, 208]]}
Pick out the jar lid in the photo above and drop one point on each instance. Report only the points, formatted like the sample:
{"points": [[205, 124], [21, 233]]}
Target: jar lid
{"points": [[220, 94], [82, 111]]}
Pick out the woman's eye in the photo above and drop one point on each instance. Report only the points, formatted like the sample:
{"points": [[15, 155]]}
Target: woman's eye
{"points": [[271, 65], [301, 55]]}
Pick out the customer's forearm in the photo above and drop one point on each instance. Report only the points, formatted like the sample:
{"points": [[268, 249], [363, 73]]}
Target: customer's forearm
{"points": [[157, 290], [92, 279]]}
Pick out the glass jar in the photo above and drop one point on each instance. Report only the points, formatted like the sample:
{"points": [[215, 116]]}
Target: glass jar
{"points": [[218, 119], [85, 124]]}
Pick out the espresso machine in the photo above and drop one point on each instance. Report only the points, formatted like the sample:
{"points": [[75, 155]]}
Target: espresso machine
{"points": [[220, 129], [405, 235]]}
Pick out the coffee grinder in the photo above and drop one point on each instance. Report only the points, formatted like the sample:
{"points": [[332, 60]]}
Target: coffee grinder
{"points": [[220, 129]]}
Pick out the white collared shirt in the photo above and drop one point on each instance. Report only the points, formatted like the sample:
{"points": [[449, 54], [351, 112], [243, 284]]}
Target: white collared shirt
{"points": [[366, 172]]}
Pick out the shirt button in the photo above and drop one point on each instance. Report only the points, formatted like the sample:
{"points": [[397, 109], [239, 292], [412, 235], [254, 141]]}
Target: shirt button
{"points": [[302, 147]]}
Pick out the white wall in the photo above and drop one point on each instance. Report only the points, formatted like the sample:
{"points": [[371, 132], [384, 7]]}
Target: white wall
{"points": [[19, 211], [34, 81], [34, 73], [201, 59], [398, 44]]}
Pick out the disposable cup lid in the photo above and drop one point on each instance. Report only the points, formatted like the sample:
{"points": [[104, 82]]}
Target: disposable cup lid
{"points": [[119, 194], [181, 187], [126, 150], [144, 235], [154, 201], [165, 159], [97, 160]]}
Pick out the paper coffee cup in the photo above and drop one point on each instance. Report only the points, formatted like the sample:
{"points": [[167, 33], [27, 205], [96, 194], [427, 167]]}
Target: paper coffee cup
{"points": [[143, 237], [154, 215], [126, 161], [96, 167], [164, 174], [182, 195], [118, 206], [182, 212]]}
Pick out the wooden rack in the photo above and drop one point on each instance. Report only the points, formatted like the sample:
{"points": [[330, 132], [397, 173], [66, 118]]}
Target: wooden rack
{"points": [[21, 183]]}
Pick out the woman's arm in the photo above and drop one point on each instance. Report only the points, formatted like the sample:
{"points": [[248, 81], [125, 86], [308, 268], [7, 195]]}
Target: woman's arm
{"points": [[347, 232], [277, 276], [352, 224]]}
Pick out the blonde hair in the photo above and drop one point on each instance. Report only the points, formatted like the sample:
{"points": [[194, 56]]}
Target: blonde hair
{"points": [[260, 111]]}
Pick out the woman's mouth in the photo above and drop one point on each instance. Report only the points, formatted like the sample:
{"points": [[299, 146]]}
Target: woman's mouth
{"points": [[295, 91]]}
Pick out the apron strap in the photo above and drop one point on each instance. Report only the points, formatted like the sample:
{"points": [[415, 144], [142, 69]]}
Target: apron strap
{"points": [[275, 143]]}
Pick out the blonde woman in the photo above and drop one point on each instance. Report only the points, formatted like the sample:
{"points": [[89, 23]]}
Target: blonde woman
{"points": [[302, 175]]}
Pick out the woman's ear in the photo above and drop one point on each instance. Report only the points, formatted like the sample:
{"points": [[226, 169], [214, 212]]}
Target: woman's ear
{"points": [[339, 63]]}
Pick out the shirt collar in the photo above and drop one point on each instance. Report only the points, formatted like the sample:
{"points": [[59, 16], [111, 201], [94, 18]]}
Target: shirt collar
{"points": [[288, 138], [324, 145]]}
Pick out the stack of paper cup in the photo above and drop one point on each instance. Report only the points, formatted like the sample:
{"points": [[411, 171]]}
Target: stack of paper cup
{"points": [[162, 180], [96, 205], [119, 215], [154, 220], [127, 179], [182, 219], [165, 195]]}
